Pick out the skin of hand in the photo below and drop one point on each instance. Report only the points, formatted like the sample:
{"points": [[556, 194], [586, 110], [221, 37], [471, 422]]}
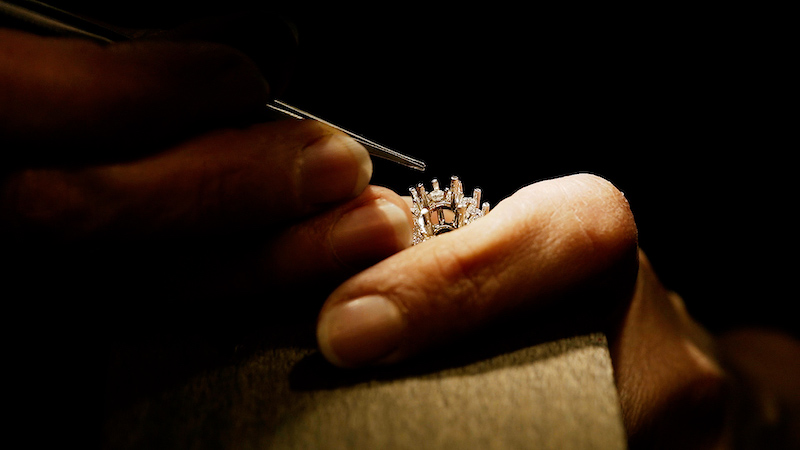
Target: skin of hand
{"points": [[113, 154], [556, 253]]}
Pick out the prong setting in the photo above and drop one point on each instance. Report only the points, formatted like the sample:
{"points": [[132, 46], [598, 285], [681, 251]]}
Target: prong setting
{"points": [[441, 211]]}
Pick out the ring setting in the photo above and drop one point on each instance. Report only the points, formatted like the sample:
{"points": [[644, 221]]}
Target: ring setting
{"points": [[441, 211]]}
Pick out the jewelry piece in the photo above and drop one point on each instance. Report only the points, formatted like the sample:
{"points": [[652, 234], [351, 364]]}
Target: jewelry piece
{"points": [[438, 212]]}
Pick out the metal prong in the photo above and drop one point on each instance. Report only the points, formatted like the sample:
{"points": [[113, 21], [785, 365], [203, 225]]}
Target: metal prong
{"points": [[372, 147], [414, 196], [457, 189], [423, 195]]}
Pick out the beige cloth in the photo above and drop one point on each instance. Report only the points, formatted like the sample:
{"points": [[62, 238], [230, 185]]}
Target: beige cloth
{"points": [[553, 395]]}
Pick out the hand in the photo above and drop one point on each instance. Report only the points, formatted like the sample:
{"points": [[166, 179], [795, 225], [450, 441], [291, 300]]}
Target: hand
{"points": [[555, 254], [137, 165], [546, 241]]}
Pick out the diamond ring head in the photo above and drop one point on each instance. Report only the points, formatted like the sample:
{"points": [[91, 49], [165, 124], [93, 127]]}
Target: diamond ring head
{"points": [[441, 211]]}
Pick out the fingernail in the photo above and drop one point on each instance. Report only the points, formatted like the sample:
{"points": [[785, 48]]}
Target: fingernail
{"points": [[360, 331], [370, 233], [334, 168]]}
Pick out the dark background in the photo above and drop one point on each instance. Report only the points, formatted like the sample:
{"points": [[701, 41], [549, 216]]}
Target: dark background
{"points": [[685, 109], [682, 109]]}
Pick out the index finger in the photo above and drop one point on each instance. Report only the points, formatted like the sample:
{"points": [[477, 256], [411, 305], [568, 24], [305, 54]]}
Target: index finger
{"points": [[95, 100], [549, 239]]}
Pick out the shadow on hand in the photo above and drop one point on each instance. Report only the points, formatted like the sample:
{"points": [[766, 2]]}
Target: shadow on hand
{"points": [[492, 348]]}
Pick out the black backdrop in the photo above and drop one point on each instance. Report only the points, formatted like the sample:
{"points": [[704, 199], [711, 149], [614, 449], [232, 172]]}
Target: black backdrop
{"points": [[685, 109], [682, 109]]}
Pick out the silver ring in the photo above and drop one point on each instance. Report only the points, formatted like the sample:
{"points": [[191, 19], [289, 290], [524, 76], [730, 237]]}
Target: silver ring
{"points": [[441, 211]]}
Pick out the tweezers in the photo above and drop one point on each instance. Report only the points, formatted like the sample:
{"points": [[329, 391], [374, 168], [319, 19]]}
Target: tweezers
{"points": [[372, 147], [32, 15]]}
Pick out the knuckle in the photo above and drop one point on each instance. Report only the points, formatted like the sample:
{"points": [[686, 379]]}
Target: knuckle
{"points": [[604, 215], [208, 78], [236, 73], [220, 59], [225, 56], [606, 232], [582, 223]]}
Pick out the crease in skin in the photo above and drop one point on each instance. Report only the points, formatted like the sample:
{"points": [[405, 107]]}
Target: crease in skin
{"points": [[498, 243], [519, 255]]}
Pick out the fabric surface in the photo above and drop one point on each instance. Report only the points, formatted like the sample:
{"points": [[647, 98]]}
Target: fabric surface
{"points": [[558, 394]]}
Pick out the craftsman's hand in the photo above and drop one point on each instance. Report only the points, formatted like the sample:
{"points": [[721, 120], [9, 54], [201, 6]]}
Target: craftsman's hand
{"points": [[140, 161], [549, 240], [556, 254]]}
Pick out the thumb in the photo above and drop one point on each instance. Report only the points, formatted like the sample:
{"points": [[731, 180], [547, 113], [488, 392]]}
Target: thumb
{"points": [[543, 243]]}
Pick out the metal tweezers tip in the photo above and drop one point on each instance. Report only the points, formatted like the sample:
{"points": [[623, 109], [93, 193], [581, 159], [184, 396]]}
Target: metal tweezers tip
{"points": [[372, 147]]}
